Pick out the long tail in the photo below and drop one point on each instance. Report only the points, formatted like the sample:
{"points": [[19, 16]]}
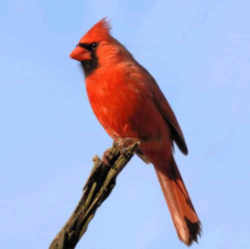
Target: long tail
{"points": [[184, 217]]}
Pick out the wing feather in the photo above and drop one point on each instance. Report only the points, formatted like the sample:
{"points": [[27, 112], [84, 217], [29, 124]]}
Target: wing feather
{"points": [[169, 116]]}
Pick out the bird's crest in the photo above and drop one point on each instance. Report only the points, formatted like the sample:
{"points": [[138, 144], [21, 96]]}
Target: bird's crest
{"points": [[100, 31]]}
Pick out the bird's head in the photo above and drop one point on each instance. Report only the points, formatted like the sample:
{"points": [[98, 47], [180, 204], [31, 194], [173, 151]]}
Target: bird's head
{"points": [[88, 50], [98, 48]]}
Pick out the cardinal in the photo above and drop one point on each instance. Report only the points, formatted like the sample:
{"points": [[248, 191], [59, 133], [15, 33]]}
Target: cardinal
{"points": [[131, 107]]}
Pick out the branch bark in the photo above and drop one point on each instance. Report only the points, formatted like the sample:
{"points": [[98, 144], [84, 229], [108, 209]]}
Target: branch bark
{"points": [[97, 188]]}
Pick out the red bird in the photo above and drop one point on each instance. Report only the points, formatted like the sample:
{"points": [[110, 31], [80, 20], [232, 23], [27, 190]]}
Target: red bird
{"points": [[130, 106]]}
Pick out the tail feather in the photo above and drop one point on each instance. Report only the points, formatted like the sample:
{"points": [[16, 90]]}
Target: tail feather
{"points": [[183, 214]]}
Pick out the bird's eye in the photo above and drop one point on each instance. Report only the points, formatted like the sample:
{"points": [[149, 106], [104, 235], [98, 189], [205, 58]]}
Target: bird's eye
{"points": [[88, 46], [93, 45]]}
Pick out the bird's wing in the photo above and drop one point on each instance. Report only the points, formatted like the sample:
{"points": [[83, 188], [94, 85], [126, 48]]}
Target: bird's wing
{"points": [[168, 115], [144, 81]]}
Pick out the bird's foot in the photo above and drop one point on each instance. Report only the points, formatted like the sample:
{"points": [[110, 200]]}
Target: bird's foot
{"points": [[106, 157], [125, 143]]}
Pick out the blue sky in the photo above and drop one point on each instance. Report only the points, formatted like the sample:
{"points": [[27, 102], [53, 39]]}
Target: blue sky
{"points": [[199, 53]]}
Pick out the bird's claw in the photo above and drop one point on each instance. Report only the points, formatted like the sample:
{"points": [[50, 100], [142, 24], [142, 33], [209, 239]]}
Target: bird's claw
{"points": [[125, 143], [106, 157]]}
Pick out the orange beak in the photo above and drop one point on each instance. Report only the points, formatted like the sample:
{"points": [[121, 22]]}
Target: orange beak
{"points": [[80, 54]]}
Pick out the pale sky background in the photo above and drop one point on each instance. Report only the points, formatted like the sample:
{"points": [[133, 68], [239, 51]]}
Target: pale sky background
{"points": [[199, 53]]}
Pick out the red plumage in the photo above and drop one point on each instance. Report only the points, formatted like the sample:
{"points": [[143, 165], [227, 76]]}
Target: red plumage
{"points": [[129, 104]]}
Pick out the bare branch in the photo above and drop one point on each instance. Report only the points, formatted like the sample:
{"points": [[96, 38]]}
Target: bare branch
{"points": [[97, 188]]}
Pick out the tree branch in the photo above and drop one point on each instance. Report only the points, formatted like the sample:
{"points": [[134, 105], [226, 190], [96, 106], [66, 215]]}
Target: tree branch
{"points": [[97, 188]]}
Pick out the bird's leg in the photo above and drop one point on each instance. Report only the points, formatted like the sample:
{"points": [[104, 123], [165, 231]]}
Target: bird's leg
{"points": [[125, 142]]}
